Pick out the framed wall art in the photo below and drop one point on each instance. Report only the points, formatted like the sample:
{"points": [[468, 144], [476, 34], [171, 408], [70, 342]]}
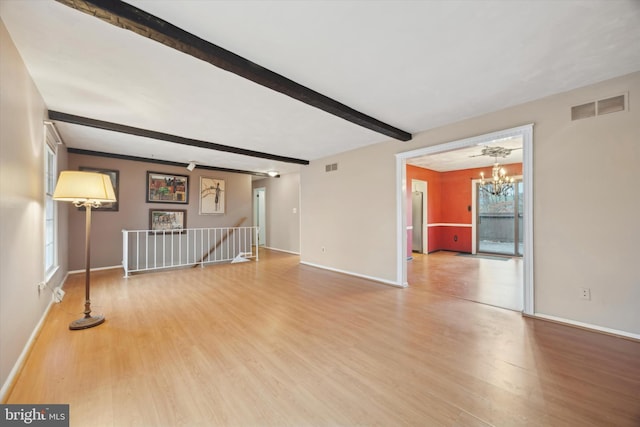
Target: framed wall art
{"points": [[212, 196], [114, 175], [167, 188], [167, 220]]}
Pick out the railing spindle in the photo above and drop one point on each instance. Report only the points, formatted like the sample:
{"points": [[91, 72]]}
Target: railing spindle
{"points": [[223, 244]]}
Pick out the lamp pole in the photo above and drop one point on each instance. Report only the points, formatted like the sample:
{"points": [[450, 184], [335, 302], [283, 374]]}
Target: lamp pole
{"points": [[88, 321], [85, 189]]}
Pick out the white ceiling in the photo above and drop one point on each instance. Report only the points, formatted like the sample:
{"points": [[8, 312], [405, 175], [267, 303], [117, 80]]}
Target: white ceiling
{"points": [[412, 64], [471, 157]]}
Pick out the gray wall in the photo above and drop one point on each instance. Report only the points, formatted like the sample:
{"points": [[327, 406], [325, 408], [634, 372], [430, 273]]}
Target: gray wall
{"points": [[283, 224], [22, 112], [585, 207], [133, 213], [348, 218]]}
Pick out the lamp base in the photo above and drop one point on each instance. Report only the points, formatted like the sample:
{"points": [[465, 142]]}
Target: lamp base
{"points": [[86, 322]]}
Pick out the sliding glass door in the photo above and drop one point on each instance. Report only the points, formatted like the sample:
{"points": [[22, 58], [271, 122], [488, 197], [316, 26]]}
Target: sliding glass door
{"points": [[500, 219]]}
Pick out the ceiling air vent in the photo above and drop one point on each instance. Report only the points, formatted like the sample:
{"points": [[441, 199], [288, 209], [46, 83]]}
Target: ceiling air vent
{"points": [[598, 108], [330, 168]]}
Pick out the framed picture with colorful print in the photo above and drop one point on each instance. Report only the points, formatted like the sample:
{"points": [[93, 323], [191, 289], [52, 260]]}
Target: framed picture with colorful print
{"points": [[167, 188], [167, 220]]}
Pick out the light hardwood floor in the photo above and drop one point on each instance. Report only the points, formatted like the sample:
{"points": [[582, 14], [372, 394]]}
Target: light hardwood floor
{"points": [[493, 280], [277, 343]]}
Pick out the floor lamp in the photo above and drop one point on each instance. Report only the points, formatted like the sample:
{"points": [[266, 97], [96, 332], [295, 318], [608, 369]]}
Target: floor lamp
{"points": [[88, 190]]}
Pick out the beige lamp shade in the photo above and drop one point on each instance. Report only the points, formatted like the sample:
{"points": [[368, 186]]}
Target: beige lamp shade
{"points": [[79, 186]]}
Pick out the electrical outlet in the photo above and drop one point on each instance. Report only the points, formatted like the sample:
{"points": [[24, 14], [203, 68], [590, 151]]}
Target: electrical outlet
{"points": [[585, 293]]}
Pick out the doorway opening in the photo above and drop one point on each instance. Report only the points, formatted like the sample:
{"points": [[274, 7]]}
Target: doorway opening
{"points": [[260, 213], [419, 214], [525, 134]]}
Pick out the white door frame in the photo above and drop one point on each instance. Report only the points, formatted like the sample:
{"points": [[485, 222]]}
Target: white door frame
{"points": [[526, 133]]}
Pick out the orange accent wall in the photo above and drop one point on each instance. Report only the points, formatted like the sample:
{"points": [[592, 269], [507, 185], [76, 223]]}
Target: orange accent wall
{"points": [[448, 202]]}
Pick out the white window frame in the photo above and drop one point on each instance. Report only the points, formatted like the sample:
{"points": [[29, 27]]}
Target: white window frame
{"points": [[50, 207]]}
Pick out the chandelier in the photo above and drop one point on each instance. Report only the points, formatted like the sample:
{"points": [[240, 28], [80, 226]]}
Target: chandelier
{"points": [[500, 184]]}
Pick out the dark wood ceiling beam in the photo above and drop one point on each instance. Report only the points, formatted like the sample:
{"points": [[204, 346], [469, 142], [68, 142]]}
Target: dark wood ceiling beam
{"points": [[161, 162], [115, 127], [131, 18]]}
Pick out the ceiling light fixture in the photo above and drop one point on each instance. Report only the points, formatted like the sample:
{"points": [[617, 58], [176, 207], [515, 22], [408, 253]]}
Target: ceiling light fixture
{"points": [[500, 183], [191, 166], [273, 174]]}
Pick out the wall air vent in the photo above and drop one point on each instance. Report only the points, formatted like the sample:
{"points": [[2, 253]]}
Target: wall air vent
{"points": [[583, 111], [611, 105], [330, 168], [600, 107], [52, 133]]}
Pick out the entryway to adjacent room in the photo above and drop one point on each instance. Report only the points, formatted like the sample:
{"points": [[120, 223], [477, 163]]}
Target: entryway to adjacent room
{"points": [[479, 221], [260, 213], [419, 204]]}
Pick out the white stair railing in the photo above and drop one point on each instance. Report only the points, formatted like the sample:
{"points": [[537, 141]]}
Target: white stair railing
{"points": [[148, 250]]}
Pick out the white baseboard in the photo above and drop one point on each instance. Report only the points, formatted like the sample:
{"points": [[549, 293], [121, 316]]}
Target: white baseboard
{"points": [[281, 250], [350, 273], [27, 348], [589, 326], [23, 356], [96, 269]]}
